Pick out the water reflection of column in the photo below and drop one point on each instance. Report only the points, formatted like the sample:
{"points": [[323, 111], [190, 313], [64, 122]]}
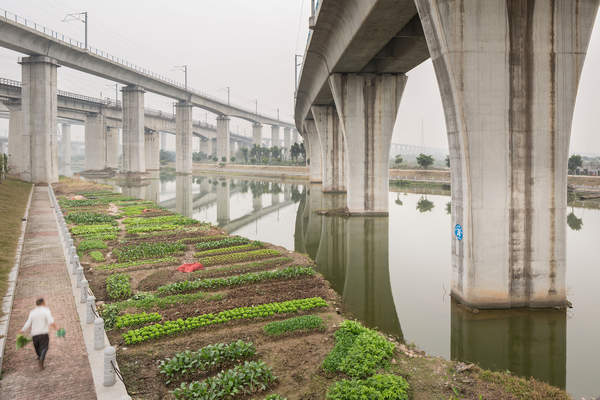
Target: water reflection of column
{"points": [[223, 215], [274, 198], [257, 203], [153, 189], [367, 289], [205, 186], [299, 244], [183, 198], [331, 256], [312, 221], [287, 192], [528, 343], [134, 190]]}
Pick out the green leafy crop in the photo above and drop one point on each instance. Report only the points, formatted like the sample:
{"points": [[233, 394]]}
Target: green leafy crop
{"points": [[301, 323], [239, 257], [97, 256], [230, 250], [377, 387], [94, 229], [91, 244], [192, 323], [147, 250], [136, 319], [250, 378], [224, 242], [118, 286], [207, 358], [236, 280], [137, 263], [89, 218], [358, 351]]}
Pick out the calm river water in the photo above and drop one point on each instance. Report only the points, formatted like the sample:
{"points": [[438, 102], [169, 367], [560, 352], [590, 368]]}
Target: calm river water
{"points": [[394, 273]]}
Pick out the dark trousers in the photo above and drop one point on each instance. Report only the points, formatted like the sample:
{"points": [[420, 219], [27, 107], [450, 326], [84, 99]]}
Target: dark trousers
{"points": [[41, 342]]}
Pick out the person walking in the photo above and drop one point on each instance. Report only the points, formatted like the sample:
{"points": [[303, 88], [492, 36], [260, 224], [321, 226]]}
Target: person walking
{"points": [[39, 321]]}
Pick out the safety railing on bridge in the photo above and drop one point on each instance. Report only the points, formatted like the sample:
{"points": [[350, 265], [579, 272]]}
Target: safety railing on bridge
{"points": [[9, 16]]}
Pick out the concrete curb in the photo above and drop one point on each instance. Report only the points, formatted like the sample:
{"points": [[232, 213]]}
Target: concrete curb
{"points": [[7, 301], [95, 357]]}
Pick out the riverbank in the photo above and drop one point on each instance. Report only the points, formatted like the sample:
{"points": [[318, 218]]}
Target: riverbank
{"points": [[13, 201], [131, 249]]}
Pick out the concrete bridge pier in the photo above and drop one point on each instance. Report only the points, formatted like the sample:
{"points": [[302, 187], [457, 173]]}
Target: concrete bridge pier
{"points": [[65, 150], [213, 147], [223, 151], [333, 152], [509, 106], [112, 147], [183, 199], [152, 150], [275, 141], [286, 142], [223, 203], [257, 133], [313, 151], [39, 149], [204, 146], [134, 160], [367, 106], [183, 138], [95, 142], [16, 140]]}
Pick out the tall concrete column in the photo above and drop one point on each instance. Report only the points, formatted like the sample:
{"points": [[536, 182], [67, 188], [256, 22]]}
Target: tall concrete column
{"points": [[257, 133], [313, 151], [223, 151], [286, 142], [183, 199], [204, 146], [18, 150], [183, 148], [509, 106], [223, 203], [213, 147], [163, 140], [134, 160], [333, 155], [65, 150], [152, 150], [39, 102], [95, 142], [112, 147], [367, 106], [275, 141]]}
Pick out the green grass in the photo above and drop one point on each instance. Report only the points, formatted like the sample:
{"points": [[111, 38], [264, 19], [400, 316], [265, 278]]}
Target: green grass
{"points": [[13, 200], [303, 323]]}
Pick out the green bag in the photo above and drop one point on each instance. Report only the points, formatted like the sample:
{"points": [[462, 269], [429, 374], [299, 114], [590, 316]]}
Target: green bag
{"points": [[22, 341], [61, 333]]}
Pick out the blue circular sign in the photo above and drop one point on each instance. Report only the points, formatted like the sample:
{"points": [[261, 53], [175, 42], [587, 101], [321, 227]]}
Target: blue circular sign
{"points": [[458, 231]]}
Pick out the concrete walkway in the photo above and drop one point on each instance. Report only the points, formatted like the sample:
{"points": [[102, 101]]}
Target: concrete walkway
{"points": [[43, 274]]}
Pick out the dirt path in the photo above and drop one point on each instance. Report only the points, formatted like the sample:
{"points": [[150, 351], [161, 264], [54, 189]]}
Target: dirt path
{"points": [[43, 274]]}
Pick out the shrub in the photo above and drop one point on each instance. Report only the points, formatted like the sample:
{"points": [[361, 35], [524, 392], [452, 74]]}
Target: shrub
{"points": [[377, 387], [301, 323], [118, 286], [207, 358], [236, 280], [93, 229], [224, 242], [137, 263], [246, 379], [230, 250], [147, 250], [88, 218], [239, 257], [358, 351], [90, 244], [136, 319], [191, 323], [97, 256]]}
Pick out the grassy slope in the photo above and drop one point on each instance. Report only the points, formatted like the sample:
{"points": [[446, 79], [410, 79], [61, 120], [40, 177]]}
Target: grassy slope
{"points": [[13, 200]]}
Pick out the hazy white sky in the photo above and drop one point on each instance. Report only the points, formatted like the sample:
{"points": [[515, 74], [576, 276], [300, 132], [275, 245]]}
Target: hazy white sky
{"points": [[248, 46]]}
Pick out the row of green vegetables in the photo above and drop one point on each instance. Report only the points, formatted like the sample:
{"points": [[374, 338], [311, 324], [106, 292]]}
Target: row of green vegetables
{"points": [[180, 325]]}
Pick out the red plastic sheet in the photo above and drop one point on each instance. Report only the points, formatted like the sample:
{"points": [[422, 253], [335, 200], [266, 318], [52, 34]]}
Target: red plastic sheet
{"points": [[190, 267]]}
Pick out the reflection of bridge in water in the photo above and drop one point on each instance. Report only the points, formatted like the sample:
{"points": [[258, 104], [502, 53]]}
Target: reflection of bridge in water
{"points": [[352, 254]]}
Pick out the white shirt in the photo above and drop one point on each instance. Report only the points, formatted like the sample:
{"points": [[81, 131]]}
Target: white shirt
{"points": [[39, 319]]}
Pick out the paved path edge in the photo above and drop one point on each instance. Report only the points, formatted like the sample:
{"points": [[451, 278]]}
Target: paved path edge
{"points": [[7, 301], [95, 357]]}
